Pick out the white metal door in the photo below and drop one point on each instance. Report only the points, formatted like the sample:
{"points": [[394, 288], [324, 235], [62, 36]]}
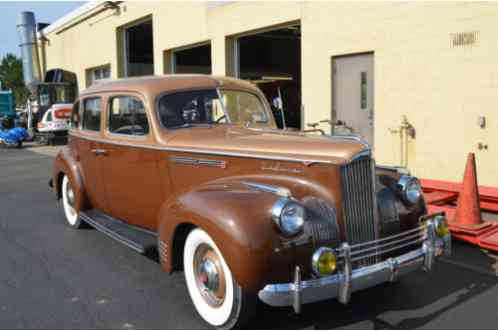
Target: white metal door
{"points": [[353, 99]]}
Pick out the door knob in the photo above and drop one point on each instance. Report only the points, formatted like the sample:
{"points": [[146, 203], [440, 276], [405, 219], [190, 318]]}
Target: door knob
{"points": [[98, 151]]}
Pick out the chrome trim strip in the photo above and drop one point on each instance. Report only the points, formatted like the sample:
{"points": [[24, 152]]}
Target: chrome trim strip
{"points": [[429, 245], [278, 190], [419, 228], [203, 162], [374, 198], [399, 170], [417, 236], [345, 287], [353, 138], [375, 254], [297, 291], [363, 153], [360, 201], [200, 151]]}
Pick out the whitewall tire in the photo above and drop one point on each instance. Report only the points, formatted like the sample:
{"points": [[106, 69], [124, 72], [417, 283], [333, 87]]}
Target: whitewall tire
{"points": [[72, 216], [217, 297]]}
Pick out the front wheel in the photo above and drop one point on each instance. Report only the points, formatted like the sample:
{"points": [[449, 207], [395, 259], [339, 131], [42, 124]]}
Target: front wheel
{"points": [[215, 294]]}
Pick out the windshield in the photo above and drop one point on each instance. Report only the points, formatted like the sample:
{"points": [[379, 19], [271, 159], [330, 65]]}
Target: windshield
{"points": [[210, 107], [50, 94]]}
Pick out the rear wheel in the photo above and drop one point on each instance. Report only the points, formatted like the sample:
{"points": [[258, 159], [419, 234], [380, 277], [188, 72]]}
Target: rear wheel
{"points": [[68, 198], [217, 297]]}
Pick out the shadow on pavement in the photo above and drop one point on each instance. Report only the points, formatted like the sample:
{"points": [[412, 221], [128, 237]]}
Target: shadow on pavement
{"points": [[410, 303]]}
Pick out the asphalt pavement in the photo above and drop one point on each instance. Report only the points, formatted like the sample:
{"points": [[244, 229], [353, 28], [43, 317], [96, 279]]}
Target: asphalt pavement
{"points": [[54, 277]]}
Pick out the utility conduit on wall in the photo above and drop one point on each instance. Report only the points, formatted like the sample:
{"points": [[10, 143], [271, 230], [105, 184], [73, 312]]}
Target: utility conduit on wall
{"points": [[405, 131]]}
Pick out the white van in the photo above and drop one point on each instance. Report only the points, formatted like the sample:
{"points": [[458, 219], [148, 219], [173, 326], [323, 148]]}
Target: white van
{"points": [[54, 124]]}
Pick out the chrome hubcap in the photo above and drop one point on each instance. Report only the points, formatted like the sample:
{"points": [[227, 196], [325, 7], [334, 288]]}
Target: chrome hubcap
{"points": [[70, 195], [209, 275]]}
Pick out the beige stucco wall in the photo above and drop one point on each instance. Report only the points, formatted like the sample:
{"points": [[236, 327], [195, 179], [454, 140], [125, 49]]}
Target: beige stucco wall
{"points": [[439, 88]]}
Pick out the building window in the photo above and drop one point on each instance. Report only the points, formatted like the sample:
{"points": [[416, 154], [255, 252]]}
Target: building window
{"points": [[102, 73], [96, 74]]}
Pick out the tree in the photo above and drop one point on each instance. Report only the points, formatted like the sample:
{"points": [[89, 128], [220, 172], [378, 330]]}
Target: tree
{"points": [[12, 77]]}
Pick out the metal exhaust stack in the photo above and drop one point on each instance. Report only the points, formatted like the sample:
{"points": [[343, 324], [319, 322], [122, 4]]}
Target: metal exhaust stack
{"points": [[26, 29]]}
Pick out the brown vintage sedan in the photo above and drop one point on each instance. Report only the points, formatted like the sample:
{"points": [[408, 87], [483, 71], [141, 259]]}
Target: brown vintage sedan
{"points": [[194, 168]]}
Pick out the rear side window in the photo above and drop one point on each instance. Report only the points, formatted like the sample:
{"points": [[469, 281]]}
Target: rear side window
{"points": [[75, 116], [127, 116], [91, 114], [49, 117]]}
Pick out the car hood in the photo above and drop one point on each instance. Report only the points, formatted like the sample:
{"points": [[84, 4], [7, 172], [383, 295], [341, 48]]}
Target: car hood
{"points": [[265, 144]]}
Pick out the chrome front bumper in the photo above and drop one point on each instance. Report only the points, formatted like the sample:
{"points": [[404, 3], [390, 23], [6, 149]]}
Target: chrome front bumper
{"points": [[347, 280]]}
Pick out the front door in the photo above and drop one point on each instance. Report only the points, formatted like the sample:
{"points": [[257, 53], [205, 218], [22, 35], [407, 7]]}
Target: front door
{"points": [[353, 100]]}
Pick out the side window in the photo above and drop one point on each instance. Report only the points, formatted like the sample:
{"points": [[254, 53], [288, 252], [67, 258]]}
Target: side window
{"points": [[49, 117], [91, 114], [127, 116], [75, 115]]}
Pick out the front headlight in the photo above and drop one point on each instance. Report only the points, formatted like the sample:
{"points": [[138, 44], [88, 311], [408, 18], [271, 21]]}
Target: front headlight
{"points": [[288, 215], [411, 189]]}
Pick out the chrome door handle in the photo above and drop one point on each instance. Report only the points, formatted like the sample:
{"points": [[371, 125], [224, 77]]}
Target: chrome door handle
{"points": [[99, 152]]}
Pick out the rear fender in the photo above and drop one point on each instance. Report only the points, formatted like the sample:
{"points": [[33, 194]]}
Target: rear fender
{"points": [[65, 164]]}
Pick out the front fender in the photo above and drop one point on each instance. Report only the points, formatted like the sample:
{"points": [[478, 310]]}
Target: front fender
{"points": [[389, 197], [66, 164], [238, 218]]}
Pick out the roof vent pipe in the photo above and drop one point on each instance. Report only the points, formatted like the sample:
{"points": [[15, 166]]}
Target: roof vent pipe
{"points": [[26, 29]]}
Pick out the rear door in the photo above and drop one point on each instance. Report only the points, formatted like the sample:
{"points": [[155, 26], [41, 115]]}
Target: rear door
{"points": [[133, 183], [353, 99]]}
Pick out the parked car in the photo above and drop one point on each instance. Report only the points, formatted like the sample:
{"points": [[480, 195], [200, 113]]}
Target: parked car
{"points": [[194, 167]]}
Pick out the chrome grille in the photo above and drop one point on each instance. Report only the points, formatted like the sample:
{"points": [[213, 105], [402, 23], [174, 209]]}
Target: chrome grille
{"points": [[359, 201], [321, 222]]}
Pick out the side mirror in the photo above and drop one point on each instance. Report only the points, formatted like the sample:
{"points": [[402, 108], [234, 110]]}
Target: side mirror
{"points": [[278, 104]]}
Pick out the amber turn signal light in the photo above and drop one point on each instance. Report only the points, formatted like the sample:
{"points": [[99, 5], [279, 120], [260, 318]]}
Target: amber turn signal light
{"points": [[441, 227], [324, 261]]}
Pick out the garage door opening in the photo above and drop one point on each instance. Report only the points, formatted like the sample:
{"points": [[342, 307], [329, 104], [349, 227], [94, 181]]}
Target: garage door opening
{"points": [[138, 49], [272, 60], [192, 60]]}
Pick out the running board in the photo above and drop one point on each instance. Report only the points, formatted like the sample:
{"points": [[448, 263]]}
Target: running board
{"points": [[136, 238]]}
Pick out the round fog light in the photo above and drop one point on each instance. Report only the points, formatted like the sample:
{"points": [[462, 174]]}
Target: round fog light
{"points": [[324, 261]]}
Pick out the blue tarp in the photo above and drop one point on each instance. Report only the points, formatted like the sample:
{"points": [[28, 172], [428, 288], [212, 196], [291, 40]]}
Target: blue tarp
{"points": [[13, 136]]}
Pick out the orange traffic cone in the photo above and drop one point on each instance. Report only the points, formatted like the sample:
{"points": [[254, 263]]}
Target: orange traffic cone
{"points": [[468, 212]]}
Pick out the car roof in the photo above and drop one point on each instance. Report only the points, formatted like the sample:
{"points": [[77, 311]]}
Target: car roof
{"points": [[152, 86]]}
